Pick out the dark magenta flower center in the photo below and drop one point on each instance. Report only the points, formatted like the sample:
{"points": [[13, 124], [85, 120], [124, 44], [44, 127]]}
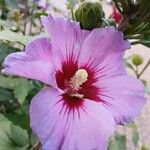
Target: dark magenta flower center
{"points": [[77, 83]]}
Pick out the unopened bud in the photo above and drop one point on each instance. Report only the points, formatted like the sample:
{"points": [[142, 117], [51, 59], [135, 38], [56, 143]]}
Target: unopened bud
{"points": [[137, 60], [90, 15], [144, 147]]}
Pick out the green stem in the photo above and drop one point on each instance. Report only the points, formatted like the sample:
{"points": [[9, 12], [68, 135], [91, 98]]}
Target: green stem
{"points": [[37, 146], [3, 10], [136, 71], [72, 14], [32, 17], [26, 16], [143, 70]]}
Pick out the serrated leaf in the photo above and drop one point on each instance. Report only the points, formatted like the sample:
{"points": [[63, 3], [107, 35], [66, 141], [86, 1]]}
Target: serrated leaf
{"points": [[21, 120], [5, 82], [11, 36], [36, 86], [5, 95], [20, 87], [6, 141], [5, 49], [18, 135]]}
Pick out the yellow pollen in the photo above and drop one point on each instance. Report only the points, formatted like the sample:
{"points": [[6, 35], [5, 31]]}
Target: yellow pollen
{"points": [[77, 95], [77, 80]]}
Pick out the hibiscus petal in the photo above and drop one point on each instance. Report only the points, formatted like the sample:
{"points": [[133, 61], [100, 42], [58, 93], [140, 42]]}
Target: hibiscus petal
{"points": [[34, 63], [66, 36], [39, 48], [56, 128], [123, 96], [103, 49]]}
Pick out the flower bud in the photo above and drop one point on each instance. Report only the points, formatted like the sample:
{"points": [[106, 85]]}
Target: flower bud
{"points": [[137, 60], [116, 15], [144, 147], [89, 15]]}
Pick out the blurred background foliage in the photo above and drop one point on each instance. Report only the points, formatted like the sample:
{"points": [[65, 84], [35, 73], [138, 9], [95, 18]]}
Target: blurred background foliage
{"points": [[20, 22]]}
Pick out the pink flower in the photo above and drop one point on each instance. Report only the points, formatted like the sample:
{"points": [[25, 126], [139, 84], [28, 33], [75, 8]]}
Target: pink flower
{"points": [[116, 15], [90, 90]]}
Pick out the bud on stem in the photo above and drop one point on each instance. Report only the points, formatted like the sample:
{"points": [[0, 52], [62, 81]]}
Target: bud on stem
{"points": [[137, 60], [90, 15]]}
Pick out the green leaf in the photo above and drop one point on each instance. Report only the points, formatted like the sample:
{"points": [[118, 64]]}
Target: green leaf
{"points": [[131, 125], [5, 95], [137, 27], [21, 120], [9, 133], [144, 147], [3, 118], [39, 14], [135, 133], [121, 141], [112, 145], [5, 49], [144, 13], [145, 42], [20, 87], [6, 24], [118, 143], [35, 86], [11, 36], [109, 22], [5, 82], [33, 139], [135, 137], [18, 135]]}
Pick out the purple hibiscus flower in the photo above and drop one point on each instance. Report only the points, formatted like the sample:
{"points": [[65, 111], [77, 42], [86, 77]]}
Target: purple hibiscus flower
{"points": [[88, 92]]}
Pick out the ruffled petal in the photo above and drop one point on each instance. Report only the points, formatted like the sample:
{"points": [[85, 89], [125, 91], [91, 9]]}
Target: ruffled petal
{"points": [[34, 63], [103, 50], [88, 127], [66, 36], [123, 96]]}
